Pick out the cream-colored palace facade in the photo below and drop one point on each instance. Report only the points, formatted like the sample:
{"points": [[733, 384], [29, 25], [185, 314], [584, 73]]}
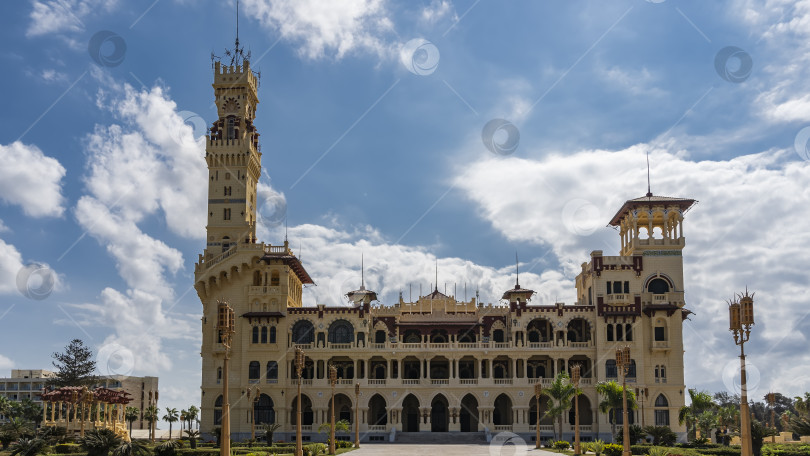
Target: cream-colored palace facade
{"points": [[437, 364]]}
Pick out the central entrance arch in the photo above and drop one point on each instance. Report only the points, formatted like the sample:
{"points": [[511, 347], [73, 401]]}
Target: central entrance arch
{"points": [[439, 416], [469, 414], [410, 414]]}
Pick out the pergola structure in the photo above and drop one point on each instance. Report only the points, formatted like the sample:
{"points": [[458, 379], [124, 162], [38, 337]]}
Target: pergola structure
{"points": [[76, 408]]}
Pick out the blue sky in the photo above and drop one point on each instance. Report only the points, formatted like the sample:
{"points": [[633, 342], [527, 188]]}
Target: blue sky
{"points": [[371, 115]]}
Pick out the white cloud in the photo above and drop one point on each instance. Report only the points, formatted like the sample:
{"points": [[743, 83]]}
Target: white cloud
{"points": [[635, 82], [743, 232], [3, 227], [6, 363], [10, 265], [51, 75], [326, 28], [31, 180], [438, 10], [61, 16]]}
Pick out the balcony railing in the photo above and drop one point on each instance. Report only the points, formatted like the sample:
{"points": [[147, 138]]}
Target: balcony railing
{"points": [[340, 346], [503, 427], [540, 345], [468, 381], [376, 428], [410, 381], [503, 381], [376, 381], [439, 381]]}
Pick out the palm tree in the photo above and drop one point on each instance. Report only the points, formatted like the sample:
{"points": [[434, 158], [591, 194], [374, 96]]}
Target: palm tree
{"points": [[99, 442], [183, 419], [192, 413], [131, 414], [14, 429], [700, 401], [726, 419], [269, 429], [150, 414], [29, 447], [611, 403], [560, 393], [133, 448], [170, 417], [193, 435]]}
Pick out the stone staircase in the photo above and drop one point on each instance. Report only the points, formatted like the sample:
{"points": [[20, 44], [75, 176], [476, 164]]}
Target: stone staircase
{"points": [[438, 438]]}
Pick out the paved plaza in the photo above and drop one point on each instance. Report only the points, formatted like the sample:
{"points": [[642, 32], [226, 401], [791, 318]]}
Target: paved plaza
{"points": [[483, 449]]}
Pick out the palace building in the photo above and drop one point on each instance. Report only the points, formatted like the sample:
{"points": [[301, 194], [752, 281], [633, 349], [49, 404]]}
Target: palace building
{"points": [[436, 365]]}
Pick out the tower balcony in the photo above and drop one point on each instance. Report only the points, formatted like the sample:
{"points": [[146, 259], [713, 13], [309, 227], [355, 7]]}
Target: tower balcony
{"points": [[230, 145], [663, 299]]}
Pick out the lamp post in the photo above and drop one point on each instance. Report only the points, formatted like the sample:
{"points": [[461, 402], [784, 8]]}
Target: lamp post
{"points": [[357, 415], [332, 380], [538, 391], [741, 318], [641, 394], [623, 363], [575, 381], [299, 367], [226, 327], [772, 401], [254, 391]]}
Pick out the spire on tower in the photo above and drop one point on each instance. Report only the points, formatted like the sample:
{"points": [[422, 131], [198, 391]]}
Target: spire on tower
{"points": [[649, 192], [517, 271], [437, 275]]}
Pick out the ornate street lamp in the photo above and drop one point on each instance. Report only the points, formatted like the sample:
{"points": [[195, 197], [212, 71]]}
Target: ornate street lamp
{"points": [[226, 327], [575, 381], [357, 415], [538, 391], [332, 380], [741, 318], [772, 401], [623, 363], [299, 367]]}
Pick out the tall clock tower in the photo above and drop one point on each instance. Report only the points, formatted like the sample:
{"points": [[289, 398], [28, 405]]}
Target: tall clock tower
{"points": [[234, 160]]}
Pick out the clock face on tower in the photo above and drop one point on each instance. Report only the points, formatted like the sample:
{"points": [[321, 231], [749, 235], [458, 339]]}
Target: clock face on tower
{"points": [[231, 106]]}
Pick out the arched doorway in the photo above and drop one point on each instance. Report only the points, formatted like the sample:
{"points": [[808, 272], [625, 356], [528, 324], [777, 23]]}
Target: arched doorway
{"points": [[376, 411], [585, 415], [544, 406], [263, 412], [469, 414], [439, 416], [410, 414], [307, 416], [343, 408], [502, 415]]}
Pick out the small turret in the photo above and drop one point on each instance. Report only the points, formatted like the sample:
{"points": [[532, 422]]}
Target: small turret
{"points": [[362, 296]]}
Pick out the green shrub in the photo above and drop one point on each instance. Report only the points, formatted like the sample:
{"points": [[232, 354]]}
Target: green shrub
{"points": [[315, 449], [561, 445], [658, 451], [613, 449], [67, 448], [597, 446]]}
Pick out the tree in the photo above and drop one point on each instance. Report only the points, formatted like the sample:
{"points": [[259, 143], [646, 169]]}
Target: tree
{"points": [[170, 417], [799, 422], [74, 367], [269, 429], [661, 435], [183, 420], [29, 447], [612, 402], [191, 414], [700, 401], [727, 420], [99, 442], [151, 414], [14, 429], [193, 435], [559, 393], [131, 414], [340, 426], [133, 448]]}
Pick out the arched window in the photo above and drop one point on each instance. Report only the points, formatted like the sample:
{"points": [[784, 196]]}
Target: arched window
{"points": [[219, 375], [303, 332], [272, 334], [379, 337], [631, 370], [231, 129], [660, 331], [255, 338], [610, 333], [497, 336], [257, 278], [218, 411], [253, 370], [341, 332], [628, 332], [263, 411], [661, 411], [610, 369], [272, 370], [619, 331], [658, 286], [264, 334], [274, 279]]}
